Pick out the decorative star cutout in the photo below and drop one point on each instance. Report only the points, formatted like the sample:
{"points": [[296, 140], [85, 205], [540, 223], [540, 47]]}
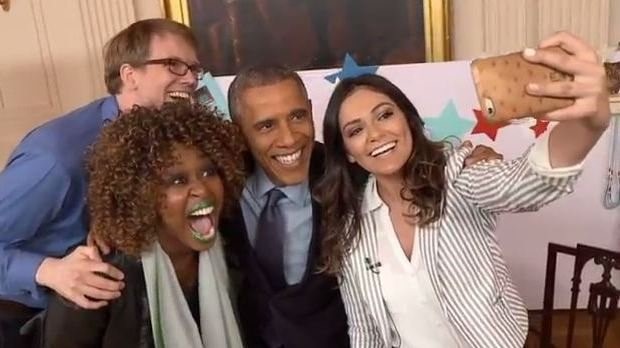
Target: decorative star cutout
{"points": [[351, 69], [540, 127], [484, 126], [209, 93], [448, 123]]}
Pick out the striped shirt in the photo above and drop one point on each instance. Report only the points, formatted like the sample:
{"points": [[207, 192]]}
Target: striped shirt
{"points": [[460, 251]]}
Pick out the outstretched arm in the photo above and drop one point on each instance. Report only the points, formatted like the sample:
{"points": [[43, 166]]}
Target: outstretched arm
{"points": [[550, 168], [582, 123]]}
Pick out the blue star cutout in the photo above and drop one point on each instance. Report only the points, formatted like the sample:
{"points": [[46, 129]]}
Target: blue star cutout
{"points": [[448, 123], [209, 93], [351, 69]]}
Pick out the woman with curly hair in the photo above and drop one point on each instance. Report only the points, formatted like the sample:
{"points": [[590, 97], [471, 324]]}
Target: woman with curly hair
{"points": [[411, 232], [159, 181]]}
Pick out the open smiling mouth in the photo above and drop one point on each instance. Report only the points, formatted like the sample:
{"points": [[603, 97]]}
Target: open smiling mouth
{"points": [[180, 96], [383, 149], [289, 160], [201, 221]]}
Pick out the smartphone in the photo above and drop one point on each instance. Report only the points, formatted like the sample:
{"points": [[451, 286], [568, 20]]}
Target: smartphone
{"points": [[500, 85]]}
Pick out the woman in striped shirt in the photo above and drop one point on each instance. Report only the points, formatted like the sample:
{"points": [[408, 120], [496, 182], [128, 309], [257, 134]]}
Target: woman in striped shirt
{"points": [[410, 232]]}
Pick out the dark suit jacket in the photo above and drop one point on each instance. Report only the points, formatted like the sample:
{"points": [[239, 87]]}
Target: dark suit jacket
{"points": [[125, 322], [305, 315]]}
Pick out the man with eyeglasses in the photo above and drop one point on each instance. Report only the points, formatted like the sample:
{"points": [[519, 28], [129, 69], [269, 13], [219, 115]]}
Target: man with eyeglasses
{"points": [[43, 216]]}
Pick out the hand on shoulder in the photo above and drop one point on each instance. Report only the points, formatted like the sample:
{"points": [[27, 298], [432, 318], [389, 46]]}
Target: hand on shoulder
{"points": [[82, 278]]}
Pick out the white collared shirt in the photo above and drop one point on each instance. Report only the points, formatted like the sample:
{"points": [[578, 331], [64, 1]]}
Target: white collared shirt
{"points": [[408, 293]]}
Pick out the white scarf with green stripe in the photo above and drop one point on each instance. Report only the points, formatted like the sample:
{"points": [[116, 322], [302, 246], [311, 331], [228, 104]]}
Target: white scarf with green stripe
{"points": [[171, 319]]}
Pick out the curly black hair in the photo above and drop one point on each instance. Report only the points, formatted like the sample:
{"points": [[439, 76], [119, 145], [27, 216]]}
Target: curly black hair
{"points": [[126, 162]]}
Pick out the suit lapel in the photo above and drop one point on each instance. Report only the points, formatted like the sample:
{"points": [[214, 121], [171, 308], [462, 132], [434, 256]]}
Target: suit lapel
{"points": [[430, 240], [233, 230], [315, 242], [317, 161], [365, 255], [433, 243], [239, 251]]}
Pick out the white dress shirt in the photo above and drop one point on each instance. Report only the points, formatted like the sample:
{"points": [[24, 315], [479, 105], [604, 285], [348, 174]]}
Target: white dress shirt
{"points": [[408, 292]]}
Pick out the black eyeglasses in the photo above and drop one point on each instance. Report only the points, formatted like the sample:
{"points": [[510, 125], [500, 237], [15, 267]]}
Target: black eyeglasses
{"points": [[177, 67]]}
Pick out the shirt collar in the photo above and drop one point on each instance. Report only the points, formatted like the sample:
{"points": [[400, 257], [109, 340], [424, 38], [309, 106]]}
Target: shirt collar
{"points": [[371, 200], [259, 185], [109, 109]]}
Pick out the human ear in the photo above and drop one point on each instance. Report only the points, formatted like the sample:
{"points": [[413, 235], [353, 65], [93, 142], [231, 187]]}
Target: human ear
{"points": [[127, 75]]}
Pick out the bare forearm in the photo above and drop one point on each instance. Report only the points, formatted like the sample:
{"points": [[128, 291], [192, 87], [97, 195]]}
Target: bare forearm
{"points": [[571, 141], [581, 124]]}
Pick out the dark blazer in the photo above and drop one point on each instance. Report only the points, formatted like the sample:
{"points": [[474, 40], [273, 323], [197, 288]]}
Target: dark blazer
{"points": [[124, 323], [309, 314]]}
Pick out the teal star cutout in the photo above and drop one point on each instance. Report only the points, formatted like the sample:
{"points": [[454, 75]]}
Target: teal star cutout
{"points": [[209, 93], [448, 124], [351, 69]]}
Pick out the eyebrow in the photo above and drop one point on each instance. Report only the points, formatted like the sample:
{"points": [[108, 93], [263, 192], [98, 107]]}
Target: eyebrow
{"points": [[273, 118], [263, 120], [194, 63], [171, 171], [176, 167], [298, 111], [357, 120]]}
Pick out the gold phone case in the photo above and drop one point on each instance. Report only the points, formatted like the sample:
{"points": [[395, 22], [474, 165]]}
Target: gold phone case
{"points": [[500, 85]]}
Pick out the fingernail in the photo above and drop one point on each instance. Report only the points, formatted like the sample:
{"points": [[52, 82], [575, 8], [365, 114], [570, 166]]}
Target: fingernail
{"points": [[529, 52], [533, 87]]}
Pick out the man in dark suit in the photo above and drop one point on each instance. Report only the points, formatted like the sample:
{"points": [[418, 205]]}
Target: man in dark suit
{"points": [[283, 301]]}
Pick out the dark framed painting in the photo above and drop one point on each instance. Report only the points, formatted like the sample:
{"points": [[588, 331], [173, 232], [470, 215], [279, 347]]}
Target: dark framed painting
{"points": [[314, 34]]}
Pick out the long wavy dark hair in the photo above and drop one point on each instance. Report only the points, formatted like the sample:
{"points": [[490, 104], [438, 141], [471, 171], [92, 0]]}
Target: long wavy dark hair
{"points": [[340, 190]]}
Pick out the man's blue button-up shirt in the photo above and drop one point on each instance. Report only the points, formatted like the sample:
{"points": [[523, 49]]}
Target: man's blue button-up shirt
{"points": [[297, 210], [43, 198]]}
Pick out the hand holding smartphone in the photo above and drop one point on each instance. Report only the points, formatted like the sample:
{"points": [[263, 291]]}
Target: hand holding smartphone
{"points": [[501, 86]]}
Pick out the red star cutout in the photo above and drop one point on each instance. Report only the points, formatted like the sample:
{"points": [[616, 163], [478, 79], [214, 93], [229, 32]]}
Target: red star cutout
{"points": [[486, 127], [540, 127]]}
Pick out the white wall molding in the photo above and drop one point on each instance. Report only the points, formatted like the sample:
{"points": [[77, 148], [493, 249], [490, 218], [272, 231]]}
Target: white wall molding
{"points": [[510, 25], [52, 59]]}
